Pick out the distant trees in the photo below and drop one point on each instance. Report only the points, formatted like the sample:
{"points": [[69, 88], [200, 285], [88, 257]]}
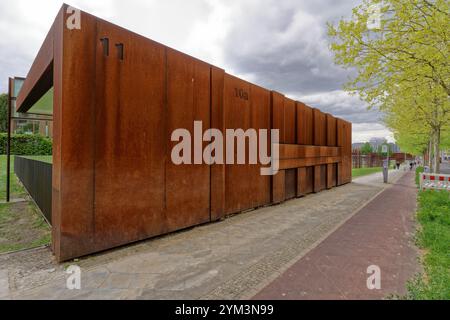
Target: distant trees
{"points": [[366, 148], [402, 67]]}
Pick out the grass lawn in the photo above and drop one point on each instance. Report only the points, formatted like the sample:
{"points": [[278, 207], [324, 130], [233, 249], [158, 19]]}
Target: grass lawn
{"points": [[21, 223], [359, 172], [22, 227], [434, 240]]}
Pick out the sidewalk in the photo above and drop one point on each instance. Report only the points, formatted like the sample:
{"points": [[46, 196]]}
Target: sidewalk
{"points": [[231, 259], [380, 234]]}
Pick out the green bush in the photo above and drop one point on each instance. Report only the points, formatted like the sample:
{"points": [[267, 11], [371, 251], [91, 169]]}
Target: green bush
{"points": [[26, 145]]}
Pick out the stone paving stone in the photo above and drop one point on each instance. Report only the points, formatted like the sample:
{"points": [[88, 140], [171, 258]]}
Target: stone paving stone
{"points": [[4, 283]]}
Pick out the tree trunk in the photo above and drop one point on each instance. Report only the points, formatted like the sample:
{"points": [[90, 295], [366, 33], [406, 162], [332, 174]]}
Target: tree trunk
{"points": [[437, 155], [430, 155]]}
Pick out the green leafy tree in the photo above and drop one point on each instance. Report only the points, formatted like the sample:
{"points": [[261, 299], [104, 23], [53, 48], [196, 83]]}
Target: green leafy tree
{"points": [[366, 148], [402, 67]]}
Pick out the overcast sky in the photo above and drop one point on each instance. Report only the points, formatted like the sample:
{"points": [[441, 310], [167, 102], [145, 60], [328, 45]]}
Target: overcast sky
{"points": [[278, 44]]}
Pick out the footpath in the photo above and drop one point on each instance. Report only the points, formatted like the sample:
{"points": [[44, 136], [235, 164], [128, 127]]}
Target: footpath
{"points": [[379, 237]]}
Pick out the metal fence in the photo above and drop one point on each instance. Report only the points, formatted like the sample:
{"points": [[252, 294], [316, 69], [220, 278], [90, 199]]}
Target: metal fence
{"points": [[370, 160], [36, 176]]}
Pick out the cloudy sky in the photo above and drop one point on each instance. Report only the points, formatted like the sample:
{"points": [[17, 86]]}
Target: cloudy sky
{"points": [[278, 44]]}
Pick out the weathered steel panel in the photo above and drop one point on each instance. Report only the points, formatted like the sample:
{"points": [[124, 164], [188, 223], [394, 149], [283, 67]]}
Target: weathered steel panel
{"points": [[217, 122], [305, 124], [277, 110], [290, 121], [58, 34], [319, 178], [245, 106], [331, 131], [113, 178], [40, 77], [130, 139], [323, 176], [344, 140], [36, 176], [188, 100], [305, 180], [320, 128], [260, 187], [290, 183], [278, 187], [75, 111], [293, 151], [331, 175]]}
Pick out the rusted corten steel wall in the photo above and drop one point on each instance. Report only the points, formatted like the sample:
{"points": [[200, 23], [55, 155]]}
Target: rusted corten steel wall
{"points": [[117, 99]]}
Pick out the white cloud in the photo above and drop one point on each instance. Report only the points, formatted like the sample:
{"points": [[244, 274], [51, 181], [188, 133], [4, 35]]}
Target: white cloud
{"points": [[363, 132]]}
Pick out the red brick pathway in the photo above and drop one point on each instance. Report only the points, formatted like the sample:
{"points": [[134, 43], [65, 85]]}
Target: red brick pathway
{"points": [[381, 234]]}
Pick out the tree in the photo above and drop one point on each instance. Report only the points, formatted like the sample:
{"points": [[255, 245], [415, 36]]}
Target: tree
{"points": [[402, 67], [366, 148], [3, 112]]}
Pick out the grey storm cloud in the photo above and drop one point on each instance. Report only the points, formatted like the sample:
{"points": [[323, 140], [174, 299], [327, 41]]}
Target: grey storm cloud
{"points": [[285, 47], [341, 104]]}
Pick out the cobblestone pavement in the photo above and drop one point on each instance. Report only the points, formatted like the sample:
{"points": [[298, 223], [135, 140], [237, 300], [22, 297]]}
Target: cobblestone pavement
{"points": [[231, 259]]}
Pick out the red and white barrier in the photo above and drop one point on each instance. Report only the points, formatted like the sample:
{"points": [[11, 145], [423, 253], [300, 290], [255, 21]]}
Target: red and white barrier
{"points": [[435, 181]]}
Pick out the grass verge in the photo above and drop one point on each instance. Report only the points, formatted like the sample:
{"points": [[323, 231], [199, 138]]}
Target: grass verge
{"points": [[359, 172], [419, 170], [434, 240], [22, 226], [17, 190]]}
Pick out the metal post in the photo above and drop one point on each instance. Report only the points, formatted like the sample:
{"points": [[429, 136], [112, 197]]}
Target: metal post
{"points": [[385, 163], [8, 141]]}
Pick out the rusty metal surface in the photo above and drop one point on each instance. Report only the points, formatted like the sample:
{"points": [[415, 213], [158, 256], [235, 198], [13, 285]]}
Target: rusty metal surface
{"points": [[305, 180], [130, 139], [344, 138], [187, 197], [277, 111], [331, 130], [290, 183], [40, 77], [74, 137], [290, 121], [320, 128], [245, 188], [56, 147], [114, 112], [218, 122], [305, 124], [278, 187]]}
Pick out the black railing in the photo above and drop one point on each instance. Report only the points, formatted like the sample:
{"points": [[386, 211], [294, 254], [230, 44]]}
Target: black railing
{"points": [[36, 176]]}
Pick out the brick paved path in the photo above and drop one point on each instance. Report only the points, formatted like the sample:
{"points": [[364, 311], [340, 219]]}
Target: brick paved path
{"points": [[379, 234]]}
